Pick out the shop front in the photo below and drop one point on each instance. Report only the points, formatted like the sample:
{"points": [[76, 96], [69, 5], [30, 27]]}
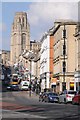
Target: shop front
{"points": [[71, 85], [55, 85], [77, 81]]}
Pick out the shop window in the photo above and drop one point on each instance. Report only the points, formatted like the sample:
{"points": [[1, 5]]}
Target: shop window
{"points": [[71, 85], [78, 86], [54, 88]]}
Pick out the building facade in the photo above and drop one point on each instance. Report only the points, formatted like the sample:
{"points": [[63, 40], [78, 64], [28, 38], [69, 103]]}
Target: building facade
{"points": [[77, 53], [64, 55], [35, 47], [20, 36], [5, 57], [46, 61]]}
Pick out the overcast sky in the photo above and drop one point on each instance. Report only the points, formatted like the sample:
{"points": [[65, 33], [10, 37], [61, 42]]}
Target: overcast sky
{"points": [[41, 17]]}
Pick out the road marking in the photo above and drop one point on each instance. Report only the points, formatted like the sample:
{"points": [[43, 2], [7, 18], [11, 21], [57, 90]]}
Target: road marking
{"points": [[13, 114]]}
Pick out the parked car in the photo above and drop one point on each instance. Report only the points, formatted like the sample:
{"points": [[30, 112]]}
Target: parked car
{"points": [[24, 85], [66, 96], [13, 87], [8, 87], [76, 99], [51, 97]]}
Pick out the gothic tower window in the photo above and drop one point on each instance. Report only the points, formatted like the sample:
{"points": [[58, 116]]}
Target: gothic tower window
{"points": [[23, 21], [19, 20], [23, 41], [14, 40]]}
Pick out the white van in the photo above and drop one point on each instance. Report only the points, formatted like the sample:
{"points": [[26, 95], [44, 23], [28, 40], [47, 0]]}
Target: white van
{"points": [[24, 85]]}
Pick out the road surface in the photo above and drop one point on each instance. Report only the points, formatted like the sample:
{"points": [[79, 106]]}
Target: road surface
{"points": [[18, 105]]}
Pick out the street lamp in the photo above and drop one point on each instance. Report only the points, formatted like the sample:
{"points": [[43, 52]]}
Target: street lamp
{"points": [[45, 80], [30, 80]]}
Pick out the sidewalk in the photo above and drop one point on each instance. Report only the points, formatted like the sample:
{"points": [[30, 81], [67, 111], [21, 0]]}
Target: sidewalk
{"points": [[33, 95], [27, 94], [10, 103]]}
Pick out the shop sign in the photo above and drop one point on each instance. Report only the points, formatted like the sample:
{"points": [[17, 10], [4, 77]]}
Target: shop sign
{"points": [[77, 75], [71, 84]]}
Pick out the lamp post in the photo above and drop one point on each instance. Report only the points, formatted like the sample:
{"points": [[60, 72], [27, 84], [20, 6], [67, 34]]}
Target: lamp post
{"points": [[45, 81], [30, 80]]}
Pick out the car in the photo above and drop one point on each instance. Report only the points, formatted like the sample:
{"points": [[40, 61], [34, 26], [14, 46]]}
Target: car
{"points": [[24, 85], [76, 99], [66, 96], [8, 87], [13, 87], [51, 97]]}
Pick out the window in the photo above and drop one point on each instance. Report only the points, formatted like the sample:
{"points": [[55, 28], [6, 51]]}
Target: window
{"points": [[64, 66], [20, 20], [23, 41], [14, 40], [23, 22], [64, 33], [64, 49]]}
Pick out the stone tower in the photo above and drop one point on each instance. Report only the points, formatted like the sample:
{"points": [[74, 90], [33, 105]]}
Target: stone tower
{"points": [[20, 36]]}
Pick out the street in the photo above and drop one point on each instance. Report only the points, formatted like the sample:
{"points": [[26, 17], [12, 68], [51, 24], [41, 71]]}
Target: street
{"points": [[17, 105]]}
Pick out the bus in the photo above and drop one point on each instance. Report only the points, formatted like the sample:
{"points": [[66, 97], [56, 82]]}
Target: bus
{"points": [[14, 79]]}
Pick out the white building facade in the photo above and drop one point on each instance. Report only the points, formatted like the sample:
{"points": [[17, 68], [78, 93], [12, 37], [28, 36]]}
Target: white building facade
{"points": [[44, 62]]}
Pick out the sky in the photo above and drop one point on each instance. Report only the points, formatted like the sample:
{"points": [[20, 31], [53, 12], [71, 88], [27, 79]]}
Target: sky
{"points": [[41, 17]]}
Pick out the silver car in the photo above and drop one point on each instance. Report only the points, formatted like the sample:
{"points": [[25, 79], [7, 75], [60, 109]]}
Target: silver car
{"points": [[66, 96]]}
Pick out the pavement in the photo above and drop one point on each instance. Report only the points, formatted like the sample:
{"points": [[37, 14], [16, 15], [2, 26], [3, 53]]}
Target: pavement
{"points": [[9, 102], [33, 95]]}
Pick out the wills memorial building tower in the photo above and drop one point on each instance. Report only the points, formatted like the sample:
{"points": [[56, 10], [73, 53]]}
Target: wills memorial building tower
{"points": [[20, 36]]}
